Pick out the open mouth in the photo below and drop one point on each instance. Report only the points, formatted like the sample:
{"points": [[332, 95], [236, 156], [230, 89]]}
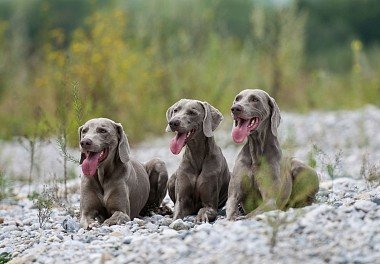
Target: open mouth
{"points": [[243, 127], [180, 140], [91, 161]]}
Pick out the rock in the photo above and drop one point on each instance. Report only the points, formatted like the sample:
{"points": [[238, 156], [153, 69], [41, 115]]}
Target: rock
{"points": [[169, 233], [165, 221], [116, 234], [127, 240], [151, 227], [365, 206], [70, 225], [139, 221], [204, 227], [156, 217], [179, 225], [376, 200]]}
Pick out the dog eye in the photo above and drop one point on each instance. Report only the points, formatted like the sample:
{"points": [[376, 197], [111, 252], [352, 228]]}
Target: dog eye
{"points": [[101, 130], [84, 131], [191, 112], [237, 98], [253, 99], [175, 110]]}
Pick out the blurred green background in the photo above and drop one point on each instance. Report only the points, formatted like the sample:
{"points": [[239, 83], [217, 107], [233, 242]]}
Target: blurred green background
{"points": [[65, 61]]}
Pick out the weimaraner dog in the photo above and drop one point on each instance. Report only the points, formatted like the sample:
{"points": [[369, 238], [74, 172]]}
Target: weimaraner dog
{"points": [[200, 184], [115, 188], [261, 179]]}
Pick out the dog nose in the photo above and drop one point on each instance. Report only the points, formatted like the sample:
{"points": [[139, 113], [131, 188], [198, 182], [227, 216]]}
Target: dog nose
{"points": [[174, 123], [86, 142], [236, 109]]}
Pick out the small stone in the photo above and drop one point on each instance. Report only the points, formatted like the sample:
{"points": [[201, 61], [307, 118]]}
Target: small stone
{"points": [[169, 232], [179, 225], [105, 257], [27, 221], [127, 240], [156, 218], [116, 234], [70, 225], [52, 239], [205, 227], [104, 229], [165, 221], [151, 227], [1, 220], [35, 226], [139, 221], [365, 206], [376, 200]]}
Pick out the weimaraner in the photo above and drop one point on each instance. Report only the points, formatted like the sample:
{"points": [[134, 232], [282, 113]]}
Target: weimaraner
{"points": [[115, 188], [261, 179], [200, 184]]}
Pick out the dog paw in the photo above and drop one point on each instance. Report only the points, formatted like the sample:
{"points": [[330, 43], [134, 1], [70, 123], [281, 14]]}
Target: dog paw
{"points": [[240, 217], [206, 215], [93, 225], [117, 218]]}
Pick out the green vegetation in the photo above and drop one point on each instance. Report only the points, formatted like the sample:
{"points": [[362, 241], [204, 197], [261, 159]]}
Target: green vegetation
{"points": [[6, 190], [370, 172], [44, 203], [130, 60], [5, 257]]}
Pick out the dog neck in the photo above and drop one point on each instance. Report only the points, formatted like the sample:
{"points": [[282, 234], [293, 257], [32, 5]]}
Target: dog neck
{"points": [[198, 149], [109, 167], [263, 145]]}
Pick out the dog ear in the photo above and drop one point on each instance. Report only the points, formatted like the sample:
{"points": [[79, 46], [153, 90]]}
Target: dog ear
{"points": [[211, 120], [275, 116], [169, 114], [82, 155], [123, 147]]}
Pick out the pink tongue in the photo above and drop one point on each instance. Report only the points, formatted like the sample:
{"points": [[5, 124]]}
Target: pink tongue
{"points": [[177, 143], [241, 131], [90, 164]]}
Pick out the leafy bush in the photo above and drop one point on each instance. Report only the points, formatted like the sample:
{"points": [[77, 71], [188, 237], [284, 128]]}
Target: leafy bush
{"points": [[130, 68]]}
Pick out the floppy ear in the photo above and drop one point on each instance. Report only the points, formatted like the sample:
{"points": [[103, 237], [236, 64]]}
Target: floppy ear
{"points": [[211, 120], [82, 155], [275, 116], [123, 147], [169, 114]]}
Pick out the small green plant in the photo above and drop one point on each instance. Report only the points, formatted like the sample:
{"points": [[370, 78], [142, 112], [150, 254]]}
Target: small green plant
{"points": [[57, 198], [370, 172], [63, 125], [277, 220], [5, 186], [5, 257], [330, 164], [44, 203], [311, 158], [34, 133]]}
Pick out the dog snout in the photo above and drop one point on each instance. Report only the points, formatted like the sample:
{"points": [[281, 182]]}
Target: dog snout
{"points": [[236, 109], [86, 142], [174, 123]]}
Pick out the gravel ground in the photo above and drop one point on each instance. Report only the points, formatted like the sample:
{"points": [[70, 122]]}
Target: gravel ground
{"points": [[342, 227]]}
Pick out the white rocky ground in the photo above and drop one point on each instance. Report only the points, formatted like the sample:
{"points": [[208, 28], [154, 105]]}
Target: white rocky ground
{"points": [[343, 227]]}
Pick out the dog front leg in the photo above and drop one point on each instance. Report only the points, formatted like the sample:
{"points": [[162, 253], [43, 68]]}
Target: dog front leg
{"points": [[118, 205]]}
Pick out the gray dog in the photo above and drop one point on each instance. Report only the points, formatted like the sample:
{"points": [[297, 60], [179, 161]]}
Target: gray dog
{"points": [[262, 180], [115, 188], [200, 184]]}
